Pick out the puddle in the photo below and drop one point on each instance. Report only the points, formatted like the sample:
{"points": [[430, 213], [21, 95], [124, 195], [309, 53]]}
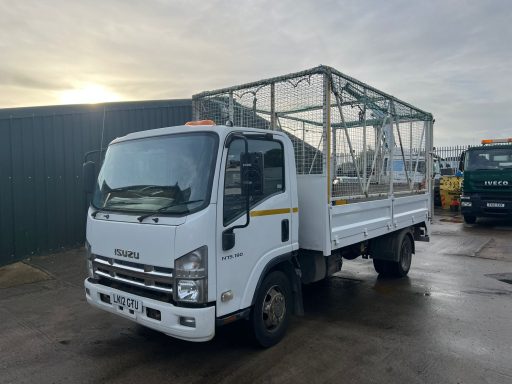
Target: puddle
{"points": [[488, 292], [504, 277], [20, 273], [466, 246], [456, 219], [338, 281]]}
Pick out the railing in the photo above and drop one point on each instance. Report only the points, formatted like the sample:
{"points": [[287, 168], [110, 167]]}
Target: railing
{"points": [[451, 154]]}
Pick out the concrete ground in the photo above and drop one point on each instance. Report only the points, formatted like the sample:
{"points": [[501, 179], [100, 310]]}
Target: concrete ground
{"points": [[448, 322]]}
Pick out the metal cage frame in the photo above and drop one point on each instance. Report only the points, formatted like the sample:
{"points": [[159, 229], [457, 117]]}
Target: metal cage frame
{"points": [[333, 120]]}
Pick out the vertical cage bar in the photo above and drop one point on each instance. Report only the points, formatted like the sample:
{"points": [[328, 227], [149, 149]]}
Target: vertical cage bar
{"points": [[391, 153], [273, 106], [428, 163], [410, 149], [231, 107], [365, 154], [401, 144], [327, 132], [334, 152], [303, 147]]}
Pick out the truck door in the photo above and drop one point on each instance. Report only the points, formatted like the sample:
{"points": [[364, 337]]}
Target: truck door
{"points": [[268, 234]]}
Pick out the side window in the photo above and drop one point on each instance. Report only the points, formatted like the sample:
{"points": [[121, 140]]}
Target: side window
{"points": [[273, 175]]}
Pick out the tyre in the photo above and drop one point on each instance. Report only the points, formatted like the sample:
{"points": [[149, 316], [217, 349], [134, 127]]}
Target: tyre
{"points": [[469, 219], [437, 197], [381, 266], [398, 268], [270, 315], [402, 266]]}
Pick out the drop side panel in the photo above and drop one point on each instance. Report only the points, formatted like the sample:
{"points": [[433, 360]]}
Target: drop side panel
{"points": [[410, 210], [356, 222]]}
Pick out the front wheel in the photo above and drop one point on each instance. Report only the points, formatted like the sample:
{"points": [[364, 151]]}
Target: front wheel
{"points": [[469, 219], [271, 313]]}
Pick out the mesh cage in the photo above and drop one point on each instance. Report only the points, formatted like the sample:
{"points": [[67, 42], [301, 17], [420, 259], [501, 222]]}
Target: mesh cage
{"points": [[370, 144]]}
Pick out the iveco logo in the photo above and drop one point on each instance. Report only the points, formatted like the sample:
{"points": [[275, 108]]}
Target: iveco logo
{"points": [[125, 253], [496, 183]]}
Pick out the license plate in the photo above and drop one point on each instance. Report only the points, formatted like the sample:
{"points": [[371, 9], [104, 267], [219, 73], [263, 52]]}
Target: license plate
{"points": [[127, 302], [495, 205]]}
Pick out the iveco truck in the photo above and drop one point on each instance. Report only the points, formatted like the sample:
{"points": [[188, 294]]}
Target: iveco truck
{"points": [[487, 185], [195, 226]]}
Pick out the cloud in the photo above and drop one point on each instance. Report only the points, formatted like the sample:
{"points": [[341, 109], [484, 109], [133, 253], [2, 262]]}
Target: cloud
{"points": [[16, 78], [448, 57]]}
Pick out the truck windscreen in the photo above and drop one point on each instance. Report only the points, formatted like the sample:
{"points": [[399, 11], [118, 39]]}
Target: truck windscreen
{"points": [[492, 158], [172, 174]]}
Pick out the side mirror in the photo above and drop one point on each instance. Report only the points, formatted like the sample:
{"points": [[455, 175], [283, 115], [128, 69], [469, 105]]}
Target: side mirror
{"points": [[251, 184], [251, 173], [461, 161], [228, 239], [89, 176]]}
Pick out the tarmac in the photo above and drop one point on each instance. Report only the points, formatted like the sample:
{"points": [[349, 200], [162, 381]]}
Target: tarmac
{"points": [[449, 321]]}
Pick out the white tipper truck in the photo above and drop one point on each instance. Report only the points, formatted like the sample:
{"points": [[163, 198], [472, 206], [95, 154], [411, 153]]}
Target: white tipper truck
{"points": [[195, 226]]}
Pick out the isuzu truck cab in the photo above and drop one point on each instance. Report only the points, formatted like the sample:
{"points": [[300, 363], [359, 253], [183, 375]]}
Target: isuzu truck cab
{"points": [[195, 226]]}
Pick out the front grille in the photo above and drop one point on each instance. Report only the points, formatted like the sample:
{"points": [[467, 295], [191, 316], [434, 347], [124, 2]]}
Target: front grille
{"points": [[141, 275], [497, 198]]}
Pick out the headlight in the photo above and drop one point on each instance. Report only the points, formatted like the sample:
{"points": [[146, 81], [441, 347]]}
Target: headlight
{"points": [[192, 291], [191, 272], [465, 204], [88, 260]]}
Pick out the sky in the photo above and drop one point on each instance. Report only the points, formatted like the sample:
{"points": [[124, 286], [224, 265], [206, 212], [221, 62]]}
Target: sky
{"points": [[451, 58]]}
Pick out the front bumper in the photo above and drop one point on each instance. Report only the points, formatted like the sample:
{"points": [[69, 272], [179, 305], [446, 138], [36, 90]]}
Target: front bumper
{"points": [[479, 206], [169, 322]]}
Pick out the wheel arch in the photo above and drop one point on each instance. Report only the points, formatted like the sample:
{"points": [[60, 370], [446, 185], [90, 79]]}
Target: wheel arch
{"points": [[287, 264], [384, 247]]}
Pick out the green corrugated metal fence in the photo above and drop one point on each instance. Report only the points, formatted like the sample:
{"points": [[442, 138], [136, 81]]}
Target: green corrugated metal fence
{"points": [[42, 206]]}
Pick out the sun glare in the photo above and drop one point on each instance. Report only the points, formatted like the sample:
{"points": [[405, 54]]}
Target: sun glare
{"points": [[88, 94]]}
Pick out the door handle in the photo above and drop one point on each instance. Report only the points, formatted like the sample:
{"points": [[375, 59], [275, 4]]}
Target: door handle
{"points": [[285, 230]]}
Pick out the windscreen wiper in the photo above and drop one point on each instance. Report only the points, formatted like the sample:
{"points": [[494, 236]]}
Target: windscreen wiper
{"points": [[102, 209], [134, 187], [141, 218]]}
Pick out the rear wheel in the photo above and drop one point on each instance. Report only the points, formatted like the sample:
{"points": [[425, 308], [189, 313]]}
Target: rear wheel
{"points": [[469, 219], [271, 313], [381, 266], [398, 268], [401, 268]]}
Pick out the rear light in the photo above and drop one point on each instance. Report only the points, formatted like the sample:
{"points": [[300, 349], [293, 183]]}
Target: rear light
{"points": [[200, 122]]}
